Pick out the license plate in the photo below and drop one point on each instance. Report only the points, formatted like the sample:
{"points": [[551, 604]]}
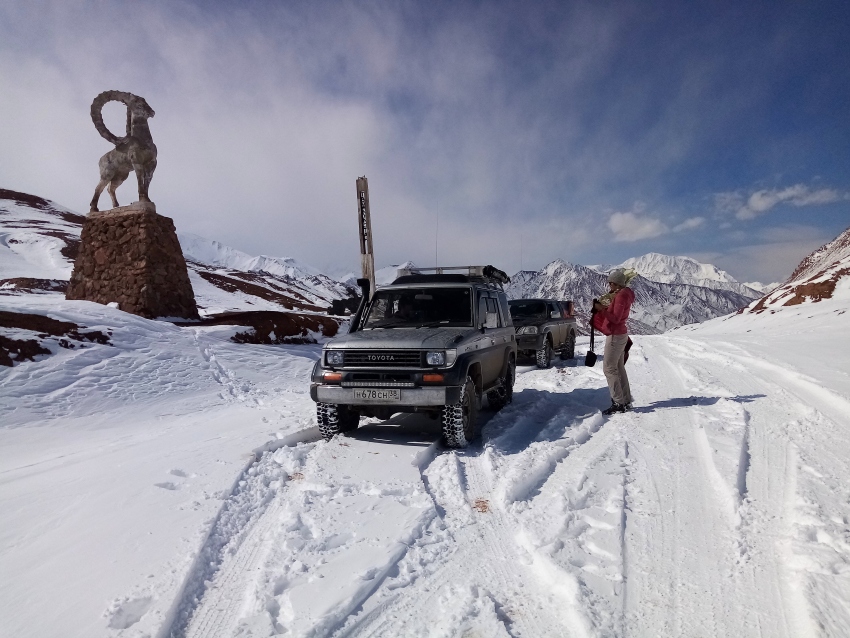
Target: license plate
{"points": [[377, 395]]}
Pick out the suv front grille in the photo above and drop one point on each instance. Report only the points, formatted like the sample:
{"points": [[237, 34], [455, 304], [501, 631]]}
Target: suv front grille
{"points": [[382, 359], [378, 384]]}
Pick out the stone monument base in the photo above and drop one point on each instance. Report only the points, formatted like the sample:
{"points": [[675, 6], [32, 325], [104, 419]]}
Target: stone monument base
{"points": [[131, 255]]}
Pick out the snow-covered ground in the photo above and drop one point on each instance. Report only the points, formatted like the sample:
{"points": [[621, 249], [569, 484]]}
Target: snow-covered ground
{"points": [[39, 240], [137, 500]]}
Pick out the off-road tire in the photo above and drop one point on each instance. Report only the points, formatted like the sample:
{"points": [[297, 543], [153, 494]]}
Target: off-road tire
{"points": [[333, 419], [459, 420], [544, 355], [569, 349], [504, 394]]}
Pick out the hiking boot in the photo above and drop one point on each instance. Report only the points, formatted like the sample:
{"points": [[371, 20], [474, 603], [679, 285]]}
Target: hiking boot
{"points": [[628, 407], [615, 407]]}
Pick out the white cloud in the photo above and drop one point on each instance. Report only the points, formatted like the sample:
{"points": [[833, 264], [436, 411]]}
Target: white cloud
{"points": [[689, 224], [633, 227], [761, 201]]}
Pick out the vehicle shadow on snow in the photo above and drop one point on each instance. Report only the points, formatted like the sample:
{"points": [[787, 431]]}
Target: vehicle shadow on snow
{"points": [[417, 430], [538, 416], [689, 402]]}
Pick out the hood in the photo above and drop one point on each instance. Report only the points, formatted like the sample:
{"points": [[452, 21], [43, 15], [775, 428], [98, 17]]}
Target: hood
{"points": [[427, 338], [528, 321]]}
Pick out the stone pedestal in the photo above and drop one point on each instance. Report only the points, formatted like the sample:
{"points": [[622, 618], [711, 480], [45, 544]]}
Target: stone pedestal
{"points": [[131, 255]]}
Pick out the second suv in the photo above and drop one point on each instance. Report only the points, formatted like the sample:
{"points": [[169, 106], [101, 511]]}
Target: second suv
{"points": [[544, 326]]}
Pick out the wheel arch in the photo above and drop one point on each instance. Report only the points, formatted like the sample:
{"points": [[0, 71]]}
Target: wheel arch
{"points": [[474, 371]]}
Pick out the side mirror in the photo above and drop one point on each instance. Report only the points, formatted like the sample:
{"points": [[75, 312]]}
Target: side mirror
{"points": [[555, 314]]}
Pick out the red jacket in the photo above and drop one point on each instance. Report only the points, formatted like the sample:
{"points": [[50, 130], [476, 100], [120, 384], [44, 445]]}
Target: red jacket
{"points": [[612, 320]]}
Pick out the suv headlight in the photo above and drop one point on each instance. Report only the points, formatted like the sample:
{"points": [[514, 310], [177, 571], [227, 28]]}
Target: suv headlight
{"points": [[435, 358], [442, 358], [333, 357], [527, 330]]}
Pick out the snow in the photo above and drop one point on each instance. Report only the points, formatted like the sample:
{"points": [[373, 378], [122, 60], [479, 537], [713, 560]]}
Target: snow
{"points": [[214, 253], [174, 483], [387, 275], [38, 239], [32, 239]]}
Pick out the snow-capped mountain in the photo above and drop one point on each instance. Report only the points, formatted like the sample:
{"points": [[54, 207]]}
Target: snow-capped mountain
{"points": [[819, 276], [562, 280], [225, 279], [387, 275], [667, 269], [39, 240], [383, 276], [658, 306]]}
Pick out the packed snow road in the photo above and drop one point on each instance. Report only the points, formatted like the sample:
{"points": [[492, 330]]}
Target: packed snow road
{"points": [[133, 506], [719, 507]]}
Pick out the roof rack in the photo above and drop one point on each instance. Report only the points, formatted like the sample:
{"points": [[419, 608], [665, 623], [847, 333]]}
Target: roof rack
{"points": [[487, 273]]}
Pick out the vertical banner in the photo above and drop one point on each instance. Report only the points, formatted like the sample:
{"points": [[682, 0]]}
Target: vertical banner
{"points": [[364, 219]]}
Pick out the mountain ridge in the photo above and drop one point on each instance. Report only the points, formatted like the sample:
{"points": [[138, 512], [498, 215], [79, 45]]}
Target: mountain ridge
{"points": [[39, 240], [658, 306]]}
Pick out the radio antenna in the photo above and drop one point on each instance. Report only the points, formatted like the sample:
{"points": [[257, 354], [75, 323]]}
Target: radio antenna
{"points": [[436, 237], [520, 251]]}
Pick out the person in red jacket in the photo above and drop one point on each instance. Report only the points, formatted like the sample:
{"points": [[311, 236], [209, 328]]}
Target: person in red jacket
{"points": [[611, 321]]}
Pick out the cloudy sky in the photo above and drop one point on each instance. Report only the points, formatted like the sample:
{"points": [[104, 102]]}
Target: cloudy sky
{"points": [[511, 133]]}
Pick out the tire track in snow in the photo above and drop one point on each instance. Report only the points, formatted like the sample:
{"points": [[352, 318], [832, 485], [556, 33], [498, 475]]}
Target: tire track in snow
{"points": [[698, 538], [353, 519], [480, 560], [792, 478], [231, 545], [219, 610], [576, 525], [484, 555], [765, 571]]}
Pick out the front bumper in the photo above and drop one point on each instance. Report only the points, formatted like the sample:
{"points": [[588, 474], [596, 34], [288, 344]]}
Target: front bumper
{"points": [[414, 397], [530, 342]]}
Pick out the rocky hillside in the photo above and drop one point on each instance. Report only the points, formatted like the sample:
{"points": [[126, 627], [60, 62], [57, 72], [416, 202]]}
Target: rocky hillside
{"points": [[39, 241], [816, 278], [659, 306], [226, 279]]}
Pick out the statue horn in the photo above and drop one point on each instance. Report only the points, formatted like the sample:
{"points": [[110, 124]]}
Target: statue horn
{"points": [[97, 115]]}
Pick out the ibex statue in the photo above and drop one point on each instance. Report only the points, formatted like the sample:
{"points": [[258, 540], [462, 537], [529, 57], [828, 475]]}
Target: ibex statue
{"points": [[135, 151]]}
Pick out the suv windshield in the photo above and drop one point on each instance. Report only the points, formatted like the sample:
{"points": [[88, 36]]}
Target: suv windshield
{"points": [[420, 307], [528, 309]]}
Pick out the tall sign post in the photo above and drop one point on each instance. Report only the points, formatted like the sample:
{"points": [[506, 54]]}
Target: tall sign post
{"points": [[367, 256]]}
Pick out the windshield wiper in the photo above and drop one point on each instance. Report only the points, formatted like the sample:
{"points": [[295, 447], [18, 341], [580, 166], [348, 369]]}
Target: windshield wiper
{"points": [[390, 324]]}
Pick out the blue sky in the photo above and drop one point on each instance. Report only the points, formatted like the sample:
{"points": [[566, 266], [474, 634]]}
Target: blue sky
{"points": [[510, 133]]}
